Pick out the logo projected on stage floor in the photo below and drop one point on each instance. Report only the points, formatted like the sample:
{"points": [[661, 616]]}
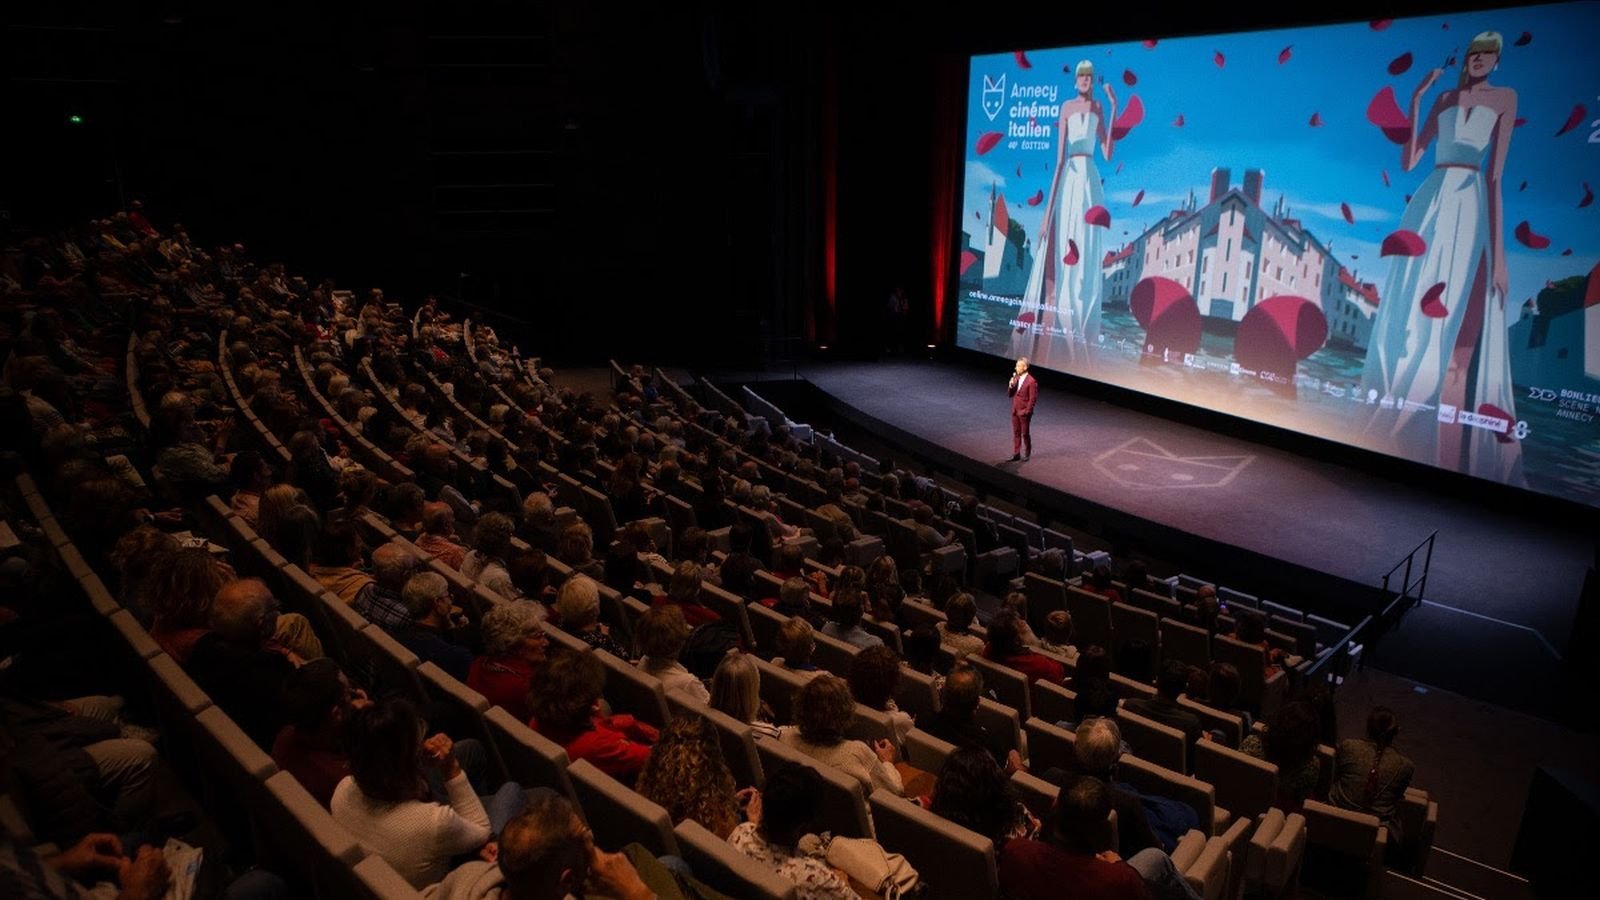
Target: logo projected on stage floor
{"points": [[1142, 463]]}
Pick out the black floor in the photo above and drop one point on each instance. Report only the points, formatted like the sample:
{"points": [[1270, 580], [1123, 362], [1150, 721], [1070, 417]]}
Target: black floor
{"points": [[1503, 585]]}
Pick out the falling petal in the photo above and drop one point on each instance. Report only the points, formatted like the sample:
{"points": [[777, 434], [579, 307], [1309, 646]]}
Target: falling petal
{"points": [[1128, 78], [1445, 26], [1528, 238], [1380, 24], [977, 215], [1567, 252], [1385, 113], [1316, 120], [1408, 198], [1128, 118], [1098, 215], [1150, 43], [1071, 259], [1178, 122], [1495, 412], [1400, 64], [1022, 59], [1385, 174], [1219, 59], [967, 259], [1355, 256], [1522, 187], [1403, 243], [1119, 168], [1588, 196], [1431, 306], [1524, 40], [1519, 122], [1019, 170], [1138, 198], [1344, 210], [987, 140], [1023, 321], [1037, 198], [1576, 116], [1450, 63]]}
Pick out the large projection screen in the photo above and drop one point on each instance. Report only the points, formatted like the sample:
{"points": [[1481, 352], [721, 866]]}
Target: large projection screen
{"points": [[1380, 233]]}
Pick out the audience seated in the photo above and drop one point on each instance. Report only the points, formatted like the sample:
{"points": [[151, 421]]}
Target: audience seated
{"points": [[844, 619], [514, 645], [960, 612], [823, 712], [565, 699], [336, 560], [778, 819], [687, 776], [578, 609], [795, 643], [485, 563], [439, 535], [1164, 707], [874, 675], [683, 592], [736, 690], [1006, 648], [1370, 776], [1290, 743], [976, 794], [239, 664], [1058, 635], [437, 629], [956, 721], [384, 604], [1097, 748], [661, 634]]}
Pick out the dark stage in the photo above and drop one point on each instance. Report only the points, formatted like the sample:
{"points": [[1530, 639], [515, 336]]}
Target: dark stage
{"points": [[1503, 586]]}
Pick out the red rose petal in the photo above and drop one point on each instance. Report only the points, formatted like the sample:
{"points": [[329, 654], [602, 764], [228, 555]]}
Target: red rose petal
{"points": [[1022, 59], [1530, 239], [1380, 24], [1344, 210], [1489, 409], [1588, 196], [1524, 40], [1284, 54], [987, 140], [1400, 64], [1384, 112], [1071, 259], [1403, 243], [1519, 122], [967, 259], [1178, 122], [1385, 174], [1219, 59], [1128, 118], [1023, 321], [1138, 198], [1431, 305], [1150, 43], [1573, 118], [1128, 78], [1037, 198], [1316, 120], [1098, 215]]}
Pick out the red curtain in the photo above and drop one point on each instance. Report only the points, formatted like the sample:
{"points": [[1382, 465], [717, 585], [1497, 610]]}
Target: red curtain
{"points": [[949, 112]]}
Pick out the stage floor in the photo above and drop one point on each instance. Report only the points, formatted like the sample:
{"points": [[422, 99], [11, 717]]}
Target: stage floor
{"points": [[1501, 584]]}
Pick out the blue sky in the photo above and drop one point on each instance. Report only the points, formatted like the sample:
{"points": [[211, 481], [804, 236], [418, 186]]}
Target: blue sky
{"points": [[1254, 113]]}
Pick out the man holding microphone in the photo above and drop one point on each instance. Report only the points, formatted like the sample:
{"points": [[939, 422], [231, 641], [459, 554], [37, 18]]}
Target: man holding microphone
{"points": [[1024, 392]]}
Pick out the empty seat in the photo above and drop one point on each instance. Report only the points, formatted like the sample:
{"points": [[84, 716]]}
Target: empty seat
{"points": [[1344, 850], [619, 816], [1276, 849], [134, 637], [1203, 861], [1091, 618], [1130, 623], [1182, 641], [925, 751], [953, 862]]}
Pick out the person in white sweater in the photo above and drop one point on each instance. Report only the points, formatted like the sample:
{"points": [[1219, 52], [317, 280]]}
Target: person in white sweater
{"points": [[384, 801], [823, 712], [661, 634]]}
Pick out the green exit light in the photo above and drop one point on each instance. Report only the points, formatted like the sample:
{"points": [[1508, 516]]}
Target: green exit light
{"points": [[75, 119]]}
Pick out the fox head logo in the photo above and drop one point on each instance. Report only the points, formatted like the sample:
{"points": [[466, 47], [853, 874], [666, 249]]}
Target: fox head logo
{"points": [[994, 95]]}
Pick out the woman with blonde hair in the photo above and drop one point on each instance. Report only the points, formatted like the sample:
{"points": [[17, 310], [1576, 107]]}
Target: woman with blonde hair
{"points": [[688, 777], [736, 690]]}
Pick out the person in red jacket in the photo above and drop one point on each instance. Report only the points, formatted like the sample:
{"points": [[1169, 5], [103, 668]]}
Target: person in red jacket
{"points": [[566, 709], [1006, 648], [1024, 392]]}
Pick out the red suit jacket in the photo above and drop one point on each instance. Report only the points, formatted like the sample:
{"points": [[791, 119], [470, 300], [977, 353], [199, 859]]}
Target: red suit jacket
{"points": [[1024, 396]]}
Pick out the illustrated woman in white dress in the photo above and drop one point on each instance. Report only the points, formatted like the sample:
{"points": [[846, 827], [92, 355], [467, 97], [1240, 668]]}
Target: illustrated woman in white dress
{"points": [[1064, 286], [1439, 338]]}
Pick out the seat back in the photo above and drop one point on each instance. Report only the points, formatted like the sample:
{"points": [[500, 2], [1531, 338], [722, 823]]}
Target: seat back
{"points": [[778, 688], [1091, 618], [725, 869], [925, 751], [1229, 725], [842, 809], [1149, 778], [531, 759], [1050, 746], [915, 693], [1045, 595], [737, 740], [997, 718], [953, 862], [1009, 685], [465, 709], [1245, 785], [631, 690], [730, 607], [393, 666], [1052, 702], [834, 655], [764, 625], [1189, 643], [618, 815], [1130, 623], [301, 840], [1151, 740]]}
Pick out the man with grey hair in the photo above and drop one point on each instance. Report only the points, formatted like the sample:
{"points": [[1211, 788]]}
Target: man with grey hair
{"points": [[1097, 748], [539, 525], [434, 633], [238, 664], [380, 602]]}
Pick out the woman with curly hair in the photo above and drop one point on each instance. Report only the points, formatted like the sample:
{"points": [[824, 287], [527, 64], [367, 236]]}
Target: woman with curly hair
{"points": [[688, 777], [874, 675], [823, 711], [974, 792]]}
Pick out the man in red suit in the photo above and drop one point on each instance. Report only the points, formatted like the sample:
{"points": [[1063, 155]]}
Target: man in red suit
{"points": [[1024, 394]]}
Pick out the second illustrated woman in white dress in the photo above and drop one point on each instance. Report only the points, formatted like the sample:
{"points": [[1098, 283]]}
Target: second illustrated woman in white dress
{"points": [[1065, 284], [1439, 344]]}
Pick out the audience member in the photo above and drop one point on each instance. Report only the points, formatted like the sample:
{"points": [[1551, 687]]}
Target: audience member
{"points": [[794, 645], [687, 776], [1290, 743], [439, 535], [435, 632], [238, 664], [779, 817], [844, 620], [1370, 776], [976, 794], [1006, 648], [566, 701], [823, 712], [578, 608], [661, 634], [736, 690], [514, 645], [1164, 707], [960, 612]]}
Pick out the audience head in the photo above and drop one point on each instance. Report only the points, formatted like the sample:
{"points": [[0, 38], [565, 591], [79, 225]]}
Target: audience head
{"points": [[1382, 726], [248, 471], [566, 688], [538, 509], [438, 519], [339, 545], [545, 851], [1250, 627], [1098, 747], [492, 536], [962, 691], [736, 687], [1292, 735], [974, 792], [662, 632], [874, 675], [515, 630], [1100, 577], [529, 572], [406, 503], [317, 697], [427, 596], [789, 802], [577, 544], [1058, 627], [383, 743], [1173, 679], [959, 613], [1082, 815], [1005, 635], [687, 775], [824, 709], [578, 603], [846, 611], [795, 642], [794, 594], [183, 587], [1094, 664], [922, 648], [1223, 686], [244, 612], [392, 564], [1096, 699]]}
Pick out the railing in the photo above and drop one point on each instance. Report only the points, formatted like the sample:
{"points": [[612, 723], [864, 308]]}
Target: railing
{"points": [[1398, 601]]}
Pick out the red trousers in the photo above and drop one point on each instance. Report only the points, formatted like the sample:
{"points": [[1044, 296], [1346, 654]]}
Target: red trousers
{"points": [[1021, 438]]}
